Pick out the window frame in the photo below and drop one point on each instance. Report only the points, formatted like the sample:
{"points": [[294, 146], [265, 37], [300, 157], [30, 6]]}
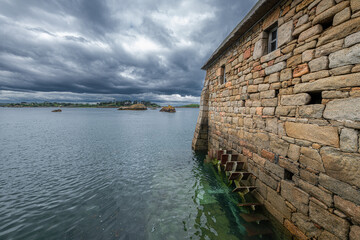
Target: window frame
{"points": [[223, 75], [271, 40]]}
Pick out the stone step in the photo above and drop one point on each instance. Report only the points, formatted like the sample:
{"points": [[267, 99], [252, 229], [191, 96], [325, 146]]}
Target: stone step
{"points": [[229, 166], [233, 166], [234, 157], [219, 153], [240, 166], [253, 217], [224, 158], [244, 189], [239, 175], [255, 230]]}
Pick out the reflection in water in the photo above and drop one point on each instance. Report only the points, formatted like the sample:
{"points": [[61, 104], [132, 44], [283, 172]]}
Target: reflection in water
{"points": [[108, 174]]}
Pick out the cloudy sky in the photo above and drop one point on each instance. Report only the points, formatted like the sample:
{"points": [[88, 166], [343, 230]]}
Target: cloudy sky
{"points": [[99, 50]]}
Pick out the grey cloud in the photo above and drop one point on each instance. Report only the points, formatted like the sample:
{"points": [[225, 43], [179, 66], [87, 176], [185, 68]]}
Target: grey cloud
{"points": [[125, 49]]}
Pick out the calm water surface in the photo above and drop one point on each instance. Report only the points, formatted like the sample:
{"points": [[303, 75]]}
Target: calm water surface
{"points": [[108, 174]]}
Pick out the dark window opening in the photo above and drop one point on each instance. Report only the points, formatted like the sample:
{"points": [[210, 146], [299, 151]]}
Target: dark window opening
{"points": [[272, 41], [288, 175], [316, 98], [223, 75]]}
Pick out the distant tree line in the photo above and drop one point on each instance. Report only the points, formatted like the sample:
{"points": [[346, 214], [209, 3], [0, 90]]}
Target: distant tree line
{"points": [[83, 105]]}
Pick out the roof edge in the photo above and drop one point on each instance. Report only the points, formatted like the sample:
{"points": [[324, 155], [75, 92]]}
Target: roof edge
{"points": [[259, 11]]}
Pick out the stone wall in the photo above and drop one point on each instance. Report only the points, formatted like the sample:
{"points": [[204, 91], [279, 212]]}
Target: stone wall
{"points": [[294, 114]]}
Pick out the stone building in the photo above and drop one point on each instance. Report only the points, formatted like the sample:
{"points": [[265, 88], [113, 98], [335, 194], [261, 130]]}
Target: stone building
{"points": [[283, 91]]}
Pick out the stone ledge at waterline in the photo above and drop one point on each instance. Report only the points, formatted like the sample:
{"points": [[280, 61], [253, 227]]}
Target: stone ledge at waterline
{"points": [[135, 107], [293, 115]]}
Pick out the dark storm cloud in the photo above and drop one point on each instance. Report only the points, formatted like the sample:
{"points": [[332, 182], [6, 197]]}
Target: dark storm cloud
{"points": [[95, 49]]}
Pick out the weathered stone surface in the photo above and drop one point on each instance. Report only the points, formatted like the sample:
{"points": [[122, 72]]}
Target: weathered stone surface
{"points": [[319, 64], [311, 158], [267, 94], [302, 20], [301, 29], [345, 57], [267, 179], [331, 222], [308, 55], [355, 5], [316, 192], [274, 77], [342, 16], [324, 5], [340, 188], [343, 109], [349, 140], [252, 89], [294, 61], [354, 230], [303, 4], [274, 169], [275, 68], [329, 48], [295, 100], [294, 152], [301, 70], [269, 111], [285, 111], [269, 102], [328, 14], [285, 33], [278, 202], [271, 56], [278, 146], [260, 48], [315, 76], [340, 31], [305, 225], [325, 235], [317, 29], [349, 208], [285, 74], [341, 70], [321, 134], [330, 83], [352, 39], [294, 230], [274, 212], [311, 111], [296, 196], [306, 46], [274, 15], [342, 166], [334, 94], [271, 125], [263, 87]]}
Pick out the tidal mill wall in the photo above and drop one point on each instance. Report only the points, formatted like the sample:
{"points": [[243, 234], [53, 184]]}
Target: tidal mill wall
{"points": [[293, 114]]}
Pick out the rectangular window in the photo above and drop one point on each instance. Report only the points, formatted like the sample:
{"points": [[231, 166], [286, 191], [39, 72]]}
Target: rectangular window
{"points": [[272, 45], [223, 77]]}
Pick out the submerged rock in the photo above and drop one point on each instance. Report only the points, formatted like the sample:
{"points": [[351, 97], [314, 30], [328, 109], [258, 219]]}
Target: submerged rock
{"points": [[169, 108], [57, 110], [134, 107]]}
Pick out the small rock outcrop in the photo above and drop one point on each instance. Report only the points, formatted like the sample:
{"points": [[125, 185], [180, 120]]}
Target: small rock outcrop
{"points": [[169, 109], [57, 110], [134, 107]]}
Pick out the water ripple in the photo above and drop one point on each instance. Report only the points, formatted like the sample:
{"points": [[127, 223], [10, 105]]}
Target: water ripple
{"points": [[106, 174]]}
